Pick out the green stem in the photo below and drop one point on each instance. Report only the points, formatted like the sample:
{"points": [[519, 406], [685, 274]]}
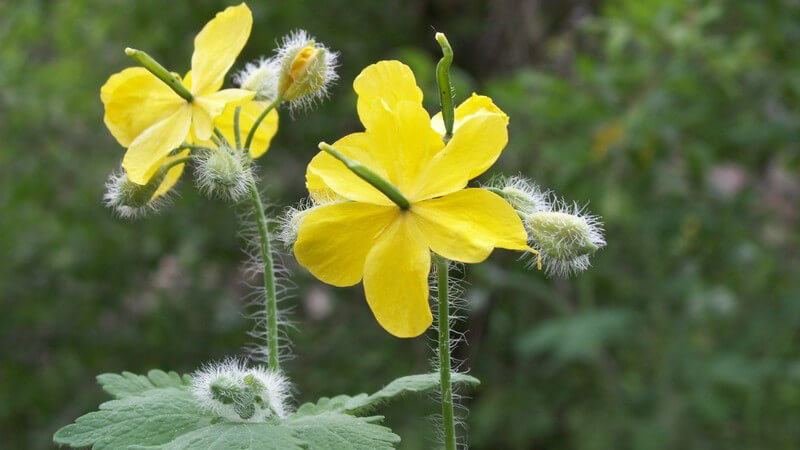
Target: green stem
{"points": [[159, 71], [252, 133], [505, 196], [192, 147], [366, 174], [221, 137], [445, 88], [269, 277], [236, 131], [444, 354], [175, 162]]}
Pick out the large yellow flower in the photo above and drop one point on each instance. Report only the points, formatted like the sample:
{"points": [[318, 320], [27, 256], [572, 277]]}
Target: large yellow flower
{"points": [[365, 235], [148, 117]]}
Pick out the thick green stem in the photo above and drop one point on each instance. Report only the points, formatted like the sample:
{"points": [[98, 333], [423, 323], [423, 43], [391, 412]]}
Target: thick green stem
{"points": [[159, 71], [269, 278], [252, 133], [368, 175], [445, 88], [444, 354]]}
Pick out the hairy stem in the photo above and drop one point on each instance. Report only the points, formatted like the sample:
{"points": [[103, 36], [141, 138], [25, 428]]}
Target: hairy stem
{"points": [[269, 277], [252, 133], [444, 354]]}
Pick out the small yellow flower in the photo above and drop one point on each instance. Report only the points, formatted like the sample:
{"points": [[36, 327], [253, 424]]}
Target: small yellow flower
{"points": [[366, 236], [150, 119]]}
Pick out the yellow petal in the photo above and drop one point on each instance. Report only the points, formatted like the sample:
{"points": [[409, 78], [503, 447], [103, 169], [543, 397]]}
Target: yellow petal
{"points": [[149, 148], [476, 104], [247, 117], [172, 175], [466, 225], [206, 108], [328, 173], [381, 86], [403, 142], [217, 46], [396, 279], [334, 240], [135, 100], [473, 149]]}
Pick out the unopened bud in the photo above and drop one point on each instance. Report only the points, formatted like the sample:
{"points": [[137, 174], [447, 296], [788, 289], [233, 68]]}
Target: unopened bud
{"points": [[307, 69], [565, 238], [131, 200], [260, 77], [223, 173], [291, 219], [236, 393], [522, 194]]}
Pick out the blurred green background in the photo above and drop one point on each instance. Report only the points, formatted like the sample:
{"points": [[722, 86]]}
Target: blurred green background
{"points": [[677, 120]]}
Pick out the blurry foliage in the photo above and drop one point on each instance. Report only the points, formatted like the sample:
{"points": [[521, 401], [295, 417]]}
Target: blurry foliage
{"points": [[677, 119]]}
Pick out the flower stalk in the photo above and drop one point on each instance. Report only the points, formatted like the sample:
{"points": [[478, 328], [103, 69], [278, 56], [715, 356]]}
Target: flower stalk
{"points": [[448, 420], [269, 277], [448, 116], [159, 71], [368, 175], [252, 133]]}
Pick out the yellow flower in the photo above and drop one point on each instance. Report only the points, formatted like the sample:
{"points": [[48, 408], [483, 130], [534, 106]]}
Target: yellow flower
{"points": [[365, 235], [150, 119]]}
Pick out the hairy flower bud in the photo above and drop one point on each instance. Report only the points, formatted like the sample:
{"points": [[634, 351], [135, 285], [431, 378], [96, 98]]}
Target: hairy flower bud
{"points": [[565, 238], [523, 194], [236, 393], [260, 77], [131, 200], [307, 69], [224, 173]]}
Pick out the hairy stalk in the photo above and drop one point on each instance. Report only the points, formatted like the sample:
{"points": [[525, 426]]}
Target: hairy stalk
{"points": [[448, 116], [269, 276], [258, 121], [444, 354]]}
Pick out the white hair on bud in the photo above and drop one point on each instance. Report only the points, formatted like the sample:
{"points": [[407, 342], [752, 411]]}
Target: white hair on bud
{"points": [[565, 237], [292, 217], [130, 200], [290, 220], [234, 392], [317, 77], [223, 173], [522, 193], [261, 77]]}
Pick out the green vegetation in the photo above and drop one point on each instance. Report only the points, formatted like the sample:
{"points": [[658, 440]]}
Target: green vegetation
{"points": [[679, 119]]}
